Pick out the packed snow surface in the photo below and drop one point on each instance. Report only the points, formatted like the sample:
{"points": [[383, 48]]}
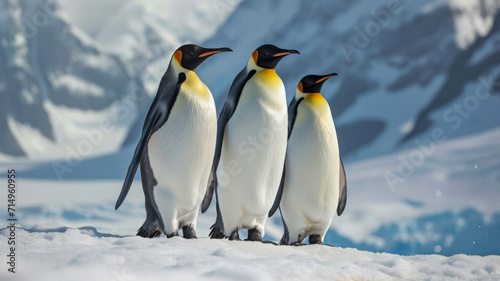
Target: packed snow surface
{"points": [[50, 252]]}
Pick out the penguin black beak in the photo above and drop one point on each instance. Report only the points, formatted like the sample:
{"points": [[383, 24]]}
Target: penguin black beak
{"points": [[326, 77], [209, 52], [284, 52]]}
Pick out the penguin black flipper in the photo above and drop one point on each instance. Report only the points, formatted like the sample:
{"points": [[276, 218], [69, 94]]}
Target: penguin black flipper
{"points": [[227, 112], [157, 116], [292, 114], [343, 189]]}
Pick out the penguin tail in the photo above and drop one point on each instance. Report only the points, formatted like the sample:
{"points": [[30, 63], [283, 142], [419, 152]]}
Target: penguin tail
{"points": [[212, 183], [217, 229], [216, 232], [286, 235]]}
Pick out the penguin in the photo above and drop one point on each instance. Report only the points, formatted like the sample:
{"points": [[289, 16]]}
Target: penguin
{"points": [[176, 147], [314, 183], [251, 147]]}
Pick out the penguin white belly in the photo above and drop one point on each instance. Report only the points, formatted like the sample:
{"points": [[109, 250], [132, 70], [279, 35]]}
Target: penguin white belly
{"points": [[253, 154], [311, 190], [181, 154]]}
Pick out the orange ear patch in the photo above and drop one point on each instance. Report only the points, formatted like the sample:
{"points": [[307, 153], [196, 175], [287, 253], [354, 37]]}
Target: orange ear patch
{"points": [[255, 56], [178, 56], [300, 87]]}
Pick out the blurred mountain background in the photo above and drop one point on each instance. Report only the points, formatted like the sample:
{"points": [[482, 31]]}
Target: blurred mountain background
{"points": [[416, 103]]}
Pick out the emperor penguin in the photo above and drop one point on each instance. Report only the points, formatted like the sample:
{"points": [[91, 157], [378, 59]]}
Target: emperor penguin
{"points": [[314, 182], [251, 147], [176, 147]]}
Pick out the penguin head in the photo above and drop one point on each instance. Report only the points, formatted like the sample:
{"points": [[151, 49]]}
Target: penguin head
{"points": [[268, 56], [312, 83], [190, 56]]}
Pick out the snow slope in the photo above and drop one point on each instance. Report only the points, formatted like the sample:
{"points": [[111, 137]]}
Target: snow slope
{"points": [[61, 253]]}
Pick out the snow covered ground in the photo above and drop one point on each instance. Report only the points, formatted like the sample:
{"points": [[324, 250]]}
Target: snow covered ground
{"points": [[62, 253]]}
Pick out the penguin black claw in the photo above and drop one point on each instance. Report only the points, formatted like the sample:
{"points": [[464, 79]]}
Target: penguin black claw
{"points": [[156, 233], [254, 235], [188, 232], [235, 236], [173, 234], [146, 232], [315, 239]]}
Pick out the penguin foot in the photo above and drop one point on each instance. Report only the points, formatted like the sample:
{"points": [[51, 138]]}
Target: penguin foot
{"points": [[297, 244], [156, 232], [254, 235], [149, 232], [235, 236], [188, 232], [315, 239], [173, 234]]}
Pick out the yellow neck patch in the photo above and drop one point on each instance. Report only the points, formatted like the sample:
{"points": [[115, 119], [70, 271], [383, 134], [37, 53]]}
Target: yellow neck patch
{"points": [[316, 100], [193, 84], [269, 77]]}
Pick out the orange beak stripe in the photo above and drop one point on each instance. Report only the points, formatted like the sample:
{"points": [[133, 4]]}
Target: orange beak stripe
{"points": [[281, 54], [323, 79], [208, 53]]}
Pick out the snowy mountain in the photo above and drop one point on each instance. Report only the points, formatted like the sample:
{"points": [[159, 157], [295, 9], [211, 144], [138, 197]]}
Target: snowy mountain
{"points": [[87, 253], [146, 32], [58, 86], [405, 68], [70, 68]]}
